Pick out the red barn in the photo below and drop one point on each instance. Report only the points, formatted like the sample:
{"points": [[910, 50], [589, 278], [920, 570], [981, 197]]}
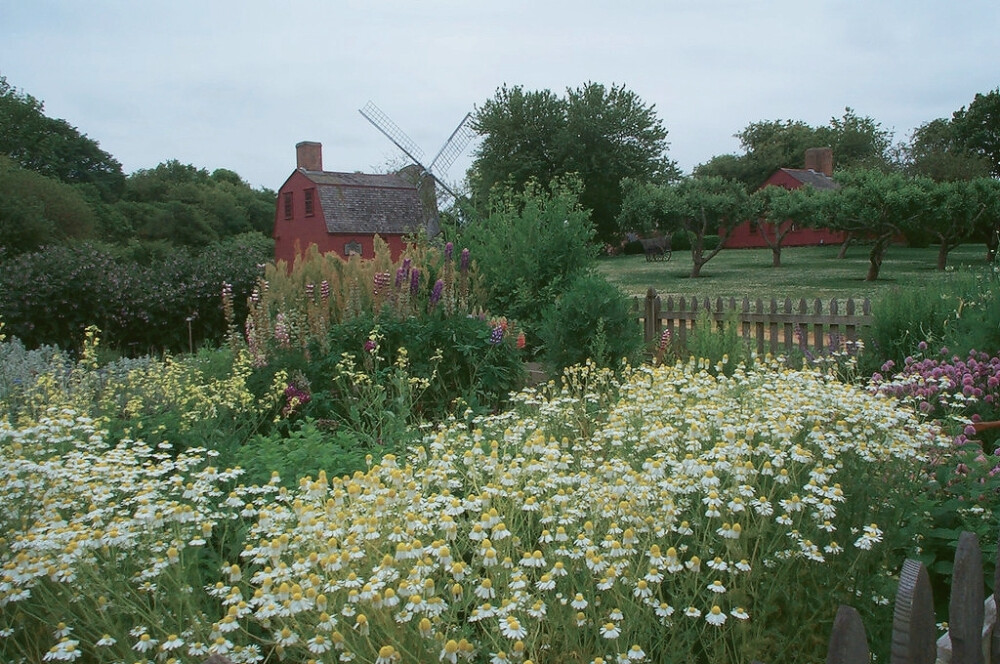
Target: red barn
{"points": [[343, 212], [817, 174]]}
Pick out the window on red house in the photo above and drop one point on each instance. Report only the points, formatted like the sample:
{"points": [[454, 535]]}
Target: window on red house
{"points": [[287, 200], [310, 208]]}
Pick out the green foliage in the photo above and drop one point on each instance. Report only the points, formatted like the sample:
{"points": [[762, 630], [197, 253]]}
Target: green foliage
{"points": [[531, 246], [307, 449], [36, 210], [453, 354], [602, 134], [857, 142], [51, 296], [53, 147], [719, 345], [591, 320], [701, 207], [977, 128], [935, 152]]}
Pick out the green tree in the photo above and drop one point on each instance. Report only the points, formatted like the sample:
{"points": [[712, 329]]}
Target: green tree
{"points": [[700, 206], [935, 152], [783, 210], [53, 147], [36, 210], [881, 206], [529, 248], [857, 142], [978, 128], [956, 211], [602, 134]]}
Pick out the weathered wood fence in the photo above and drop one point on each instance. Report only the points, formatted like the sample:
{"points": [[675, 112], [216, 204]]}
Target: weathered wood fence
{"points": [[972, 636], [775, 326]]}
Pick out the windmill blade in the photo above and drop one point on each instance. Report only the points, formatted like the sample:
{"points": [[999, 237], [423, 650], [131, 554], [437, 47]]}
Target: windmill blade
{"points": [[381, 121], [454, 146]]}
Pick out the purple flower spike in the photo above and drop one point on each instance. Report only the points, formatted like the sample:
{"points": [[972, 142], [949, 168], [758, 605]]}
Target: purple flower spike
{"points": [[464, 260], [436, 292], [414, 283], [449, 250]]}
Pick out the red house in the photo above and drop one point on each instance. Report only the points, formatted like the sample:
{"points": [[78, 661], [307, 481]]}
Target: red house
{"points": [[343, 212], [818, 174]]}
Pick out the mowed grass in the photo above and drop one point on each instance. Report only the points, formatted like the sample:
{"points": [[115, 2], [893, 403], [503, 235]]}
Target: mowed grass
{"points": [[805, 272]]}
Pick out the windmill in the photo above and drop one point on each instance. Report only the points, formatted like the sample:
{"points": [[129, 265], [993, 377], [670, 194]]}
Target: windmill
{"points": [[442, 161]]}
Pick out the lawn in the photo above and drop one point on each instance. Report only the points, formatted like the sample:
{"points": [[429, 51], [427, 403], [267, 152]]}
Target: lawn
{"points": [[809, 272]]}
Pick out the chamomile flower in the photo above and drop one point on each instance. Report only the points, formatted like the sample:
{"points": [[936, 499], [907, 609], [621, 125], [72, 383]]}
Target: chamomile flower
{"points": [[715, 616], [610, 630]]}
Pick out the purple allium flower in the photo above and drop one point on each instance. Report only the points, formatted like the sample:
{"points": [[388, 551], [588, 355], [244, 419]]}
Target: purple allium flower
{"points": [[437, 291], [449, 249]]}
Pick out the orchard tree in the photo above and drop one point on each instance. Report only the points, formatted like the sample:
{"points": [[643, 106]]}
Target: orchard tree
{"points": [[53, 147], [782, 210], [602, 134], [957, 211], [700, 206], [877, 205], [978, 128]]}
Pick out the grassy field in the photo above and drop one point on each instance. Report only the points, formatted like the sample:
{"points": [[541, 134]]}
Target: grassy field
{"points": [[809, 272]]}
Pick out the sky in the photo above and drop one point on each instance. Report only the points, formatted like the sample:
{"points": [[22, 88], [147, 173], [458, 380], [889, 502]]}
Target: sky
{"points": [[224, 84]]}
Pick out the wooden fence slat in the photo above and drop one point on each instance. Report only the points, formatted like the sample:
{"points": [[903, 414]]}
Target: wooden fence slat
{"points": [[772, 325], [848, 642], [913, 623], [965, 607]]}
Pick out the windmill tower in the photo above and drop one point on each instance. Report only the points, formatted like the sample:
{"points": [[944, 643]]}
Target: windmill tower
{"points": [[442, 161]]}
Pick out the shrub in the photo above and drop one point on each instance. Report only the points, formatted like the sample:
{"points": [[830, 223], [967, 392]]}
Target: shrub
{"points": [[591, 320], [53, 295], [530, 248], [633, 248]]}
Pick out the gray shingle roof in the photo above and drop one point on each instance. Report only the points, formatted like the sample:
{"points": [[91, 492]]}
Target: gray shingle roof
{"points": [[363, 203], [813, 178]]}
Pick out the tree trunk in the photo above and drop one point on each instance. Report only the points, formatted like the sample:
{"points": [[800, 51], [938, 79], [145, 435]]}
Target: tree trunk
{"points": [[875, 258], [697, 252], [943, 250], [776, 256], [844, 245]]}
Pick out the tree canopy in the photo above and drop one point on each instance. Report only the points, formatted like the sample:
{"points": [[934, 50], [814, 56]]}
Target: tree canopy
{"points": [[602, 134], [857, 142], [977, 128], [53, 147]]}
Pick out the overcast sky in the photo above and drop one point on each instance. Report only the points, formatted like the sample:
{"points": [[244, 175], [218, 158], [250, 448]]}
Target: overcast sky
{"points": [[236, 85]]}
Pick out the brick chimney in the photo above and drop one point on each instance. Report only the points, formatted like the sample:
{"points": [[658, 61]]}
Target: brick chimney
{"points": [[309, 156], [820, 160]]}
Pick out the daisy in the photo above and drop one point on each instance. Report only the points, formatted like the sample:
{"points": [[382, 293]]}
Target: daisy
{"points": [[739, 613], [609, 630], [512, 628], [579, 603], [319, 644], [715, 616]]}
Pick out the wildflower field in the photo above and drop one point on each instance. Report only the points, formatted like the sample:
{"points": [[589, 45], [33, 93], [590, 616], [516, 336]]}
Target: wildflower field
{"points": [[354, 477]]}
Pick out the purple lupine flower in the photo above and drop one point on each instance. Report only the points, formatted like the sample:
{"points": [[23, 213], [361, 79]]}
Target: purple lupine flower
{"points": [[496, 335], [464, 260], [400, 277], [310, 289], [436, 292], [324, 290], [449, 249], [381, 280], [414, 282]]}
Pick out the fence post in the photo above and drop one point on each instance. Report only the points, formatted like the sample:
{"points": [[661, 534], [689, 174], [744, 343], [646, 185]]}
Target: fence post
{"points": [[965, 607], [848, 642], [913, 624], [651, 323]]}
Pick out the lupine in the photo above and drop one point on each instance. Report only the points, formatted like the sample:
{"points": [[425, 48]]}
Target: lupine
{"points": [[436, 292], [449, 249], [414, 283], [464, 260]]}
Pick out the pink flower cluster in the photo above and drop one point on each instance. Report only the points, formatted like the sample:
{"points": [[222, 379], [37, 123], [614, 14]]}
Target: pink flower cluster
{"points": [[967, 387]]}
